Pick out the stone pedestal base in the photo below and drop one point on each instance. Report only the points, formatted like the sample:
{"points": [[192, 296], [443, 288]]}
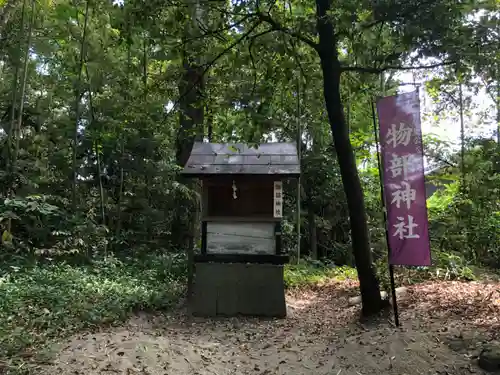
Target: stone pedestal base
{"points": [[231, 289]]}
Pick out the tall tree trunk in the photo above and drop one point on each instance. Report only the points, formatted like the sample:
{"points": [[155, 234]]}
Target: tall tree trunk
{"points": [[497, 103], [126, 97], [462, 136], [97, 153], [191, 119], [15, 128], [330, 65], [12, 119], [78, 97], [316, 150], [120, 191], [147, 175]]}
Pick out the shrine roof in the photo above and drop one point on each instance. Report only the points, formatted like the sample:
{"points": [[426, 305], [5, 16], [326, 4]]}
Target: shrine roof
{"points": [[278, 158]]}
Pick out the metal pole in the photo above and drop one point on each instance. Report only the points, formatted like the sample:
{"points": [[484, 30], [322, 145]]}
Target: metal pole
{"points": [[497, 102], [299, 155], [462, 134], [382, 196]]}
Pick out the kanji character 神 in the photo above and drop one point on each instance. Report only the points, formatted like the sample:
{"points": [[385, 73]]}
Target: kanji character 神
{"points": [[404, 194]]}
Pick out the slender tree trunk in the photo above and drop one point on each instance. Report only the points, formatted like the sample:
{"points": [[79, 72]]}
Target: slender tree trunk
{"points": [[330, 65], [23, 88], [78, 96], [498, 104], [15, 130], [12, 120], [126, 97], [120, 191], [311, 212], [97, 153], [101, 190], [210, 122], [145, 66], [313, 237], [102, 200], [147, 175], [462, 136]]}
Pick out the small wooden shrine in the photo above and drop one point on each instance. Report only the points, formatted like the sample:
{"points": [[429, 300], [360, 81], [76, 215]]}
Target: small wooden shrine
{"points": [[240, 268]]}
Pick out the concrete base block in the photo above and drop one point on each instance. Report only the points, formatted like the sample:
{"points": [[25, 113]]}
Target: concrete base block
{"points": [[231, 289]]}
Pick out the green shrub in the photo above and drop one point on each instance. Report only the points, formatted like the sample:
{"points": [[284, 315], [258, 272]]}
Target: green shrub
{"points": [[309, 272], [464, 217], [44, 301], [445, 266]]}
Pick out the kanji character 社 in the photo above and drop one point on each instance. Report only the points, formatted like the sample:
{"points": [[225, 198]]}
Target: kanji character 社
{"points": [[404, 230]]}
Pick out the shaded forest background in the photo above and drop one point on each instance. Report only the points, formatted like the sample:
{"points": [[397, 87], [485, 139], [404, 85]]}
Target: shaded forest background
{"points": [[100, 103]]}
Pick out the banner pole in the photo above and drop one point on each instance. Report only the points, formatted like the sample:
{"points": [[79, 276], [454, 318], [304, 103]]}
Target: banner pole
{"points": [[384, 210], [299, 157]]}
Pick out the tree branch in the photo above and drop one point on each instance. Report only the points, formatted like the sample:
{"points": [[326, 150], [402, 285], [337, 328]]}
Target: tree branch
{"points": [[230, 47], [252, 59], [254, 68], [212, 62], [488, 90], [450, 96], [278, 27], [296, 58], [401, 15], [374, 70], [440, 160], [214, 32]]}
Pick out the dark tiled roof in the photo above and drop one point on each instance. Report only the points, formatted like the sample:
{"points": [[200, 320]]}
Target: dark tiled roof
{"points": [[267, 159]]}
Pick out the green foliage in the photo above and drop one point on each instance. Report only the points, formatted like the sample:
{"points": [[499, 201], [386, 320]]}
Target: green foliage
{"points": [[40, 226], [464, 216], [449, 266], [44, 300], [309, 272], [445, 267], [258, 88]]}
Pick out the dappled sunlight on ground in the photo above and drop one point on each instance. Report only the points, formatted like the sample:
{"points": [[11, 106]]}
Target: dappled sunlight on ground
{"points": [[459, 303], [322, 336]]}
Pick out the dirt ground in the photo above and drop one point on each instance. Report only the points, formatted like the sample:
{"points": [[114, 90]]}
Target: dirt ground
{"points": [[443, 328]]}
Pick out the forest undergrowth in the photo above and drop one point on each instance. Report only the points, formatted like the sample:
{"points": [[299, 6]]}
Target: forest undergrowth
{"points": [[45, 303]]}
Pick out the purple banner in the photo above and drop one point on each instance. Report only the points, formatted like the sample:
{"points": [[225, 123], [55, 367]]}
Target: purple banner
{"points": [[403, 179]]}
